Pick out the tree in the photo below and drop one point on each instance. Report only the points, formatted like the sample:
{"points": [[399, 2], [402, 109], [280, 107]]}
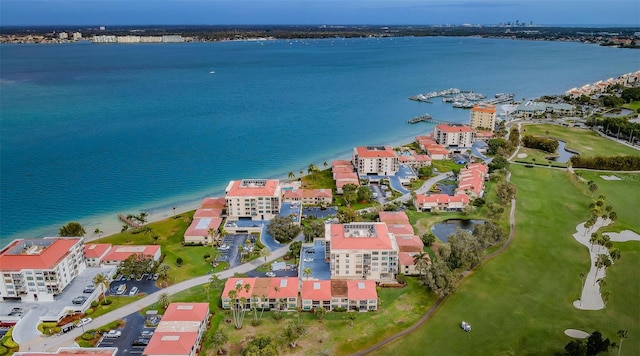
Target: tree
{"points": [[163, 270], [283, 229], [179, 261], [364, 194], [613, 216], [428, 239], [219, 339], [594, 238], [614, 253], [174, 211], [293, 333], [347, 215], [291, 175], [593, 188], [260, 346], [466, 251], [440, 279], [211, 232], [421, 262], [320, 312], [307, 272], [425, 172], [622, 334], [238, 304], [264, 253], [98, 232], [583, 277], [352, 315], [497, 163], [488, 234], [164, 300], [313, 229], [506, 191], [595, 343], [349, 193], [602, 261], [72, 229], [294, 250], [125, 229], [102, 280]]}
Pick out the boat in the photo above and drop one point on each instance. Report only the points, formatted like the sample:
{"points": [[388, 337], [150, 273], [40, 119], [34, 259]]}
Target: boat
{"points": [[212, 72]]}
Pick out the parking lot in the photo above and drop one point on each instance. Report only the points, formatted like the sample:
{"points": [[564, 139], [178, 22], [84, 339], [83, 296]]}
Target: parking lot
{"points": [[318, 212], [229, 248], [133, 336], [312, 256], [146, 285]]}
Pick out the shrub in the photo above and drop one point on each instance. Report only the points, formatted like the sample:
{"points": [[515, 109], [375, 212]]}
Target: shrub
{"points": [[105, 302], [207, 256], [9, 343], [339, 309], [277, 315], [179, 261], [3, 350], [256, 322], [94, 303], [89, 312], [401, 278], [87, 336]]}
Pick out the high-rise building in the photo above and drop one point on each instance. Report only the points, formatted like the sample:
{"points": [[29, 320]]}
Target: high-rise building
{"points": [[483, 116]]}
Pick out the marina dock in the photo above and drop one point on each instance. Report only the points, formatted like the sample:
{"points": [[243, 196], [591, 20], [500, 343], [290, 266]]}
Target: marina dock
{"points": [[415, 120], [129, 222]]}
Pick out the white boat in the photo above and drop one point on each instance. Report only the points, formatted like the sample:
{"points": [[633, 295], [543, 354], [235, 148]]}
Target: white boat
{"points": [[212, 72]]}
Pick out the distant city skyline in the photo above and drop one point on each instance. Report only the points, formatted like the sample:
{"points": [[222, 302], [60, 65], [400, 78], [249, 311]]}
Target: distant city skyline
{"points": [[317, 12]]}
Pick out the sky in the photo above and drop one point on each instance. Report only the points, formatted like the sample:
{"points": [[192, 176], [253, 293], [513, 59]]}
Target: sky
{"points": [[317, 12]]}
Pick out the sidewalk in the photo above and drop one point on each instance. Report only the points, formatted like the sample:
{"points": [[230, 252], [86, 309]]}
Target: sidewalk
{"points": [[53, 343]]}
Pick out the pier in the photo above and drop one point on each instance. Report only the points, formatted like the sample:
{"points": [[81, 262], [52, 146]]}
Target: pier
{"points": [[415, 120], [129, 222]]}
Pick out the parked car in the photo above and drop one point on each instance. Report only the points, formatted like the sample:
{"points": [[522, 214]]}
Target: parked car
{"points": [[310, 251], [112, 334], [146, 334], [140, 342], [89, 288], [155, 276], [133, 291], [121, 289], [270, 274], [83, 321], [79, 300], [308, 259]]}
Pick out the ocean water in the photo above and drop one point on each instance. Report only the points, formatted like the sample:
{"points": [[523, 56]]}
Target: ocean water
{"points": [[88, 131]]}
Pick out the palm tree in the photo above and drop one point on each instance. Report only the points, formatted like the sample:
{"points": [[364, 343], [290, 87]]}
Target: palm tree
{"points": [[583, 277], [142, 217], [325, 164], [164, 299], [421, 262], [174, 211], [125, 228], [602, 261], [614, 253], [622, 334], [291, 175], [218, 340], [102, 280], [211, 232], [206, 288], [605, 297], [602, 282], [98, 232], [265, 253], [593, 188], [163, 269], [307, 272], [593, 239]]}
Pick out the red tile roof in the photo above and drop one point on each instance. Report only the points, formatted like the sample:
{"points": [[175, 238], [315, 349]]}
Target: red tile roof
{"points": [[316, 290], [375, 152], [231, 284], [400, 229], [379, 240], [441, 198], [341, 162], [453, 128], [361, 290], [201, 226], [342, 169], [213, 203], [244, 188], [344, 181], [346, 175], [409, 243], [308, 193], [208, 213], [486, 108], [95, 250], [122, 252], [46, 258], [407, 258], [394, 217], [287, 288], [186, 312], [171, 343]]}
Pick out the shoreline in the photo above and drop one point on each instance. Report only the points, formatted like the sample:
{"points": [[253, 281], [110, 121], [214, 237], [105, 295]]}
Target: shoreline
{"points": [[112, 226]]}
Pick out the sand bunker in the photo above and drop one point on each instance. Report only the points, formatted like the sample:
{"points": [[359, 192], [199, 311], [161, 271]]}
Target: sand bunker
{"points": [[522, 155], [591, 298], [610, 177], [576, 334]]}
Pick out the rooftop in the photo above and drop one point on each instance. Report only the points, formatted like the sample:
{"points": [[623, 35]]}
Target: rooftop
{"points": [[375, 152], [453, 128], [43, 253], [373, 236], [253, 188]]}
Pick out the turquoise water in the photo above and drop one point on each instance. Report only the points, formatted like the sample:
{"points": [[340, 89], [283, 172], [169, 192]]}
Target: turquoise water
{"points": [[88, 131]]}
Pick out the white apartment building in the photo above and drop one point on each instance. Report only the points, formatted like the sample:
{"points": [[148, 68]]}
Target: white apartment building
{"points": [[258, 199], [454, 136], [39, 269], [483, 116], [375, 160], [361, 251]]}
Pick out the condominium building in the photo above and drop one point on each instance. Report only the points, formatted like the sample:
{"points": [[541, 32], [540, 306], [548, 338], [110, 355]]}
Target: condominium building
{"points": [[180, 330], [309, 196], [375, 160], [441, 202], [258, 199], [346, 294], [483, 116], [268, 293], [361, 251], [454, 136], [39, 269]]}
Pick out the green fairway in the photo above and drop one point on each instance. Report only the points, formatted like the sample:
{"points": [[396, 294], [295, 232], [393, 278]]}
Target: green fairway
{"points": [[520, 302], [623, 195], [585, 141]]}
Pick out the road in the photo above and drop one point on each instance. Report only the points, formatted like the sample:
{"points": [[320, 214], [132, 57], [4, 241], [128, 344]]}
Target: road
{"points": [[52, 343]]}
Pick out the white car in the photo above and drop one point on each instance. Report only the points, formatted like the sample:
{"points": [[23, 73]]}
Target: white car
{"points": [[270, 274], [83, 321], [308, 259], [112, 334]]}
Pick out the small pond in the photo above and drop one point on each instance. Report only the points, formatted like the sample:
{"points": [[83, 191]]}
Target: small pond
{"points": [[618, 113], [446, 187], [448, 227], [563, 155]]}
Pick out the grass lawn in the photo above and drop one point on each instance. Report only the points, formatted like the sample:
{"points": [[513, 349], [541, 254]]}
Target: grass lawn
{"points": [[520, 302], [536, 157], [585, 141], [444, 166], [623, 195], [116, 302], [400, 308], [635, 105], [320, 180], [171, 232]]}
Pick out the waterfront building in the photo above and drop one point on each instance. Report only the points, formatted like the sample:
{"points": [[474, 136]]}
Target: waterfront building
{"points": [[104, 39], [180, 330], [77, 36], [530, 109], [203, 230], [455, 137], [434, 150], [375, 160], [105, 254], [309, 196], [150, 39], [63, 35], [361, 251], [409, 244], [172, 39], [39, 269], [483, 116], [95, 253], [357, 295], [128, 39], [258, 199]]}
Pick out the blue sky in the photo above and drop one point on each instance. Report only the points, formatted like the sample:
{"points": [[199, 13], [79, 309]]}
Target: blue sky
{"points": [[387, 12]]}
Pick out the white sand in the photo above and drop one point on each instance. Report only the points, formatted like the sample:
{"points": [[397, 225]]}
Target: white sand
{"points": [[522, 155], [612, 177], [591, 298], [576, 334]]}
